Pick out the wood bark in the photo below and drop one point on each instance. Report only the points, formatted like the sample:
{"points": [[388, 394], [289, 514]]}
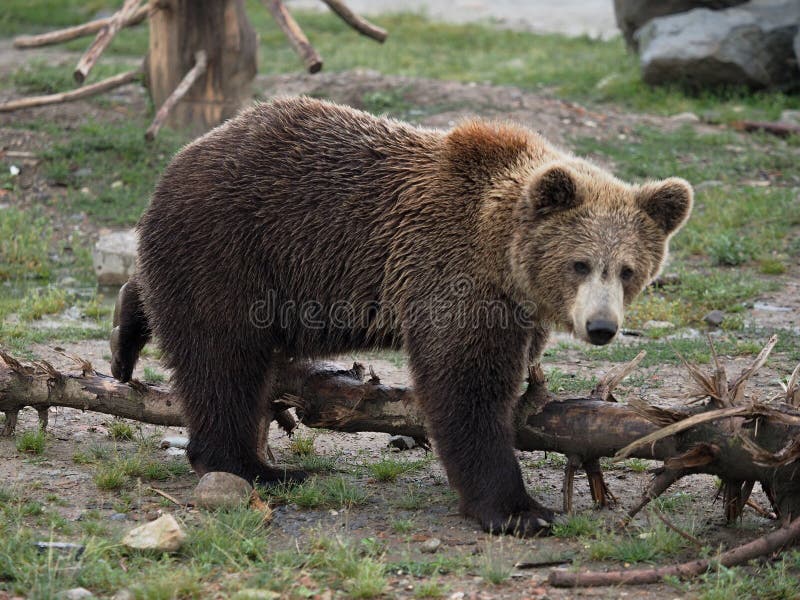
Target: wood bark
{"points": [[358, 23], [103, 39], [70, 33], [200, 66], [325, 396], [181, 28], [298, 40], [78, 94]]}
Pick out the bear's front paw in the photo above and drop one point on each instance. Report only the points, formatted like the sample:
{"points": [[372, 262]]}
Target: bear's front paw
{"points": [[532, 522]]}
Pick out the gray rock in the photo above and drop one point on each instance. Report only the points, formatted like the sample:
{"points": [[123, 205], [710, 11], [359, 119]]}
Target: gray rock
{"points": [[748, 45], [114, 257], [123, 594], [714, 318], [162, 535], [75, 594], [792, 116], [118, 517], [430, 546], [402, 442], [220, 490], [632, 14]]}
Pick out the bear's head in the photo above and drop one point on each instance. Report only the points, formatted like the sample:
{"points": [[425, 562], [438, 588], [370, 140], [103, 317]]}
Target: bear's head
{"points": [[585, 243]]}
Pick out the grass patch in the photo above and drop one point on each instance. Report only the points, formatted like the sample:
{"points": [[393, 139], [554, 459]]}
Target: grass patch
{"points": [[152, 375], [493, 565], [389, 469], [39, 77], [302, 445], [647, 545], [661, 352], [32, 441], [120, 430], [561, 381], [315, 492], [577, 525], [24, 244], [114, 164], [48, 301]]}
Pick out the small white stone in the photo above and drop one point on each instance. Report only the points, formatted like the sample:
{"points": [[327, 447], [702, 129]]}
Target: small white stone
{"points": [[163, 535], [431, 545], [75, 594], [14, 170], [685, 117]]}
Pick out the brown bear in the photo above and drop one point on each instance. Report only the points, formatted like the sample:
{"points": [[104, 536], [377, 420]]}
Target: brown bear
{"points": [[305, 229]]}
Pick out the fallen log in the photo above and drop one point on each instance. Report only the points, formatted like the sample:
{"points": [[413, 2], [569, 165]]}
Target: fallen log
{"points": [[326, 396], [73, 95], [71, 33], [765, 545], [773, 127]]}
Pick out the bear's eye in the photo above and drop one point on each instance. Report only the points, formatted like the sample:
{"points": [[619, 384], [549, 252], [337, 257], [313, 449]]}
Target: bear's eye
{"points": [[581, 268], [626, 274]]}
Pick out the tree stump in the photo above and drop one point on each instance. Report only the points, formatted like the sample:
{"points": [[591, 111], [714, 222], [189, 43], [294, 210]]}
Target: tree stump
{"points": [[179, 29]]}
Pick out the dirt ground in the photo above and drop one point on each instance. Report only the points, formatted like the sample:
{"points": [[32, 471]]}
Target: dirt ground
{"points": [[437, 104]]}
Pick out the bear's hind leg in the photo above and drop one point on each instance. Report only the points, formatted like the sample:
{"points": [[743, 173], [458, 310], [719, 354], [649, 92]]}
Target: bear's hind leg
{"points": [[224, 396]]}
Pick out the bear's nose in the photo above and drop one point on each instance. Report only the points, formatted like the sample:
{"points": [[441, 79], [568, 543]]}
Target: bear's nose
{"points": [[601, 331]]}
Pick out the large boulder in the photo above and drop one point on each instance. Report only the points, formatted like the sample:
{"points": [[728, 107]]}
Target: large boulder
{"points": [[633, 14], [751, 45]]}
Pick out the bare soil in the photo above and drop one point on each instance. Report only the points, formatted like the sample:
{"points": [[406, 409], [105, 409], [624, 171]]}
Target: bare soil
{"points": [[436, 104]]}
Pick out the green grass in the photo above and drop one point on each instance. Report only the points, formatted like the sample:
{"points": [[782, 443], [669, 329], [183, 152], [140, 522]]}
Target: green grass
{"points": [[48, 301], [389, 469], [32, 441], [646, 545], [24, 244], [120, 430], [317, 492], [153, 375], [302, 445], [114, 163], [39, 77], [577, 525], [561, 381], [494, 566]]}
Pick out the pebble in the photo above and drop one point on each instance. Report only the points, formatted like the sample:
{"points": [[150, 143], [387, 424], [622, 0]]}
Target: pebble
{"points": [[75, 594], [118, 517], [685, 117], [162, 535], [714, 318], [218, 490], [431, 545]]}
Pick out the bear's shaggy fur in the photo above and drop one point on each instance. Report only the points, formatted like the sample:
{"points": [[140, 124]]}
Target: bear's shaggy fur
{"points": [[306, 229]]}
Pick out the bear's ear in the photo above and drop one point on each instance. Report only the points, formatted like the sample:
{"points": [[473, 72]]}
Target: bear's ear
{"points": [[553, 190], [667, 202]]}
